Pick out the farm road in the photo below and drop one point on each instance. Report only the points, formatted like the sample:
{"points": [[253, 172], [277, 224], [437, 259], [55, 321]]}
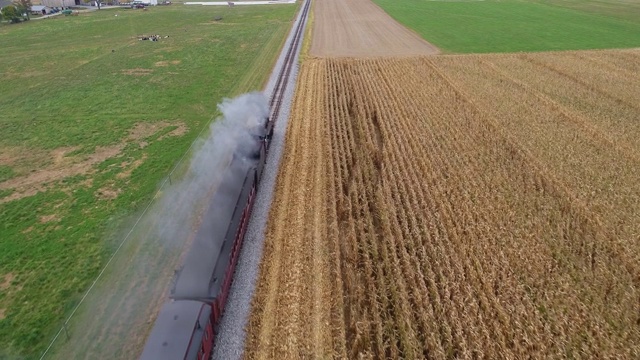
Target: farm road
{"points": [[359, 28]]}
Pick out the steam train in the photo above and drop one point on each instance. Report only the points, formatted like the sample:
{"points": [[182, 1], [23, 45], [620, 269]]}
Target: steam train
{"points": [[186, 326]]}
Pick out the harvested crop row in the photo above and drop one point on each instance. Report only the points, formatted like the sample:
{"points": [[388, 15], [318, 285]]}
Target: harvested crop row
{"points": [[428, 209], [599, 168], [603, 116]]}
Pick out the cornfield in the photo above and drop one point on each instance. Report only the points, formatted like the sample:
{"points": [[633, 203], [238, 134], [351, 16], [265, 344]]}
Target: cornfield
{"points": [[480, 206]]}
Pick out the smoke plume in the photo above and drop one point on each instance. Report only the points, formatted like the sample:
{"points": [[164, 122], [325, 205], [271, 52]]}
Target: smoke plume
{"points": [[141, 273], [232, 132]]}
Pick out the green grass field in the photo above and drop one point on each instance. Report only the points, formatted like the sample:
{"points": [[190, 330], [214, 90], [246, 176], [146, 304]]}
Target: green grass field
{"points": [[92, 119], [513, 25], [622, 9]]}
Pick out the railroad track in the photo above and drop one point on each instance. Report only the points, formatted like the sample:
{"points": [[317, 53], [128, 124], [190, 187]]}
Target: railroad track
{"points": [[203, 284], [275, 103], [231, 336]]}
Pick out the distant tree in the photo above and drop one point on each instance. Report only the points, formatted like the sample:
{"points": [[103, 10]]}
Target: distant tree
{"points": [[23, 6], [11, 13]]}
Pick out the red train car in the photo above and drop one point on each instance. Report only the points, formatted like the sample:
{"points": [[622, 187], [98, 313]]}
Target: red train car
{"points": [[205, 278], [182, 331]]}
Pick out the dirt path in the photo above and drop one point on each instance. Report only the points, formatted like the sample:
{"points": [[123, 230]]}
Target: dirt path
{"points": [[359, 28]]}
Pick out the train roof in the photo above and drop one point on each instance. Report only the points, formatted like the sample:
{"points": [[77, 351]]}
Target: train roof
{"points": [[178, 331], [197, 278]]}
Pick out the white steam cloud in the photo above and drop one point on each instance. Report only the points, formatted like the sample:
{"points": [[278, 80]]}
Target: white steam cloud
{"points": [[231, 133], [140, 275]]}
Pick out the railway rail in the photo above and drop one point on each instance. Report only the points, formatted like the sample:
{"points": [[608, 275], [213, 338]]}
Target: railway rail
{"points": [[187, 326], [275, 103]]}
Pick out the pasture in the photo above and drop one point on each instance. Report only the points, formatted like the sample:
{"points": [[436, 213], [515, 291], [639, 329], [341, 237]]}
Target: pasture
{"points": [[92, 119], [511, 26]]}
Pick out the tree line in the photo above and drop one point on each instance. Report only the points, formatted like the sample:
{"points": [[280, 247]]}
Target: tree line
{"points": [[17, 12]]}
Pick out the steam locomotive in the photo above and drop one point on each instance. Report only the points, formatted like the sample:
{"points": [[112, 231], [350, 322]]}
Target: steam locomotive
{"points": [[186, 326]]}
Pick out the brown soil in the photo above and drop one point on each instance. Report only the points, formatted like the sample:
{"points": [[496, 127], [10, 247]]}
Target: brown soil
{"points": [[6, 282], [33, 182], [108, 193], [144, 130], [165, 63], [36, 169], [14, 156], [130, 167], [179, 131], [137, 72], [59, 154], [85, 183], [2, 314], [49, 218], [359, 28]]}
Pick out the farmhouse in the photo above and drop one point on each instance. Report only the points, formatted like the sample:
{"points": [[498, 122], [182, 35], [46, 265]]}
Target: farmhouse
{"points": [[58, 3], [40, 9]]}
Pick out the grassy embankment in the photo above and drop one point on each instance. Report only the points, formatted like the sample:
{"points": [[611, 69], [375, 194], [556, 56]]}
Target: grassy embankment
{"points": [[92, 119]]}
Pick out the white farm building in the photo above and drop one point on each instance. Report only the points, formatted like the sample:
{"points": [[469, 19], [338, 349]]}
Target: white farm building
{"points": [[58, 3]]}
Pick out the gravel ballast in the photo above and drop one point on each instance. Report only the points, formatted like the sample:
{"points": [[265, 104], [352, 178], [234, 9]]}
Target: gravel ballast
{"points": [[229, 343]]}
